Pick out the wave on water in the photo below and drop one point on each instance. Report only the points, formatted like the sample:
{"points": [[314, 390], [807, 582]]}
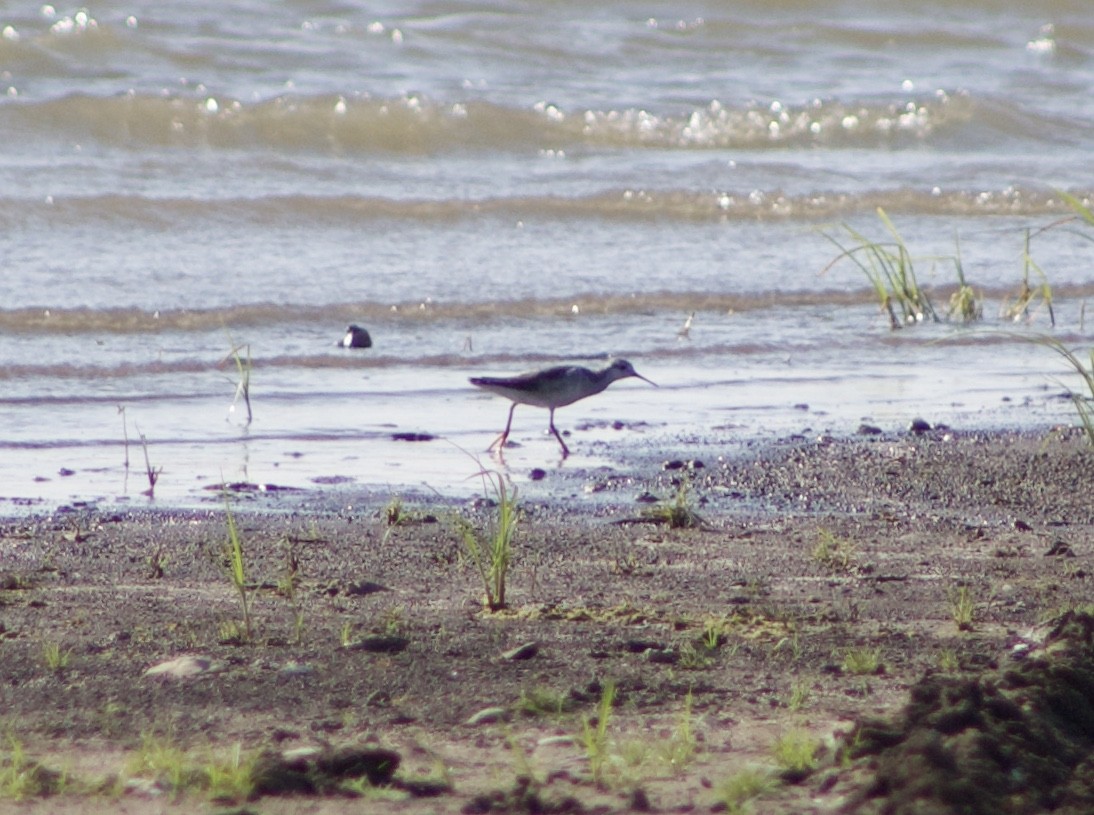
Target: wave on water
{"points": [[501, 360], [129, 321], [416, 125], [610, 205]]}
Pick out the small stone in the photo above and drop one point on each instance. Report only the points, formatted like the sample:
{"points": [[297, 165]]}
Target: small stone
{"points": [[556, 741], [488, 715], [424, 787], [363, 587], [537, 474], [294, 668], [412, 437], [639, 801], [380, 644], [144, 787], [869, 430], [376, 764], [919, 426], [639, 646], [184, 667], [525, 651], [661, 656], [1059, 549]]}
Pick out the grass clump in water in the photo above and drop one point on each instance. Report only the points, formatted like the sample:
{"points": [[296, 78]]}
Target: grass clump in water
{"points": [[1030, 297], [889, 267], [965, 304], [241, 356]]}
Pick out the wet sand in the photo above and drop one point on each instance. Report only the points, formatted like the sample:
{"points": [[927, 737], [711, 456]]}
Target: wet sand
{"points": [[822, 586]]}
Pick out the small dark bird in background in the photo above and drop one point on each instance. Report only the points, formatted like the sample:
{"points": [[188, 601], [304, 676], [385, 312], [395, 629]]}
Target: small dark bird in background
{"points": [[356, 337]]}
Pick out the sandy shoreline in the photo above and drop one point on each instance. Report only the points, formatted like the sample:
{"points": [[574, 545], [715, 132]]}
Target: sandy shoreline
{"points": [[936, 555]]}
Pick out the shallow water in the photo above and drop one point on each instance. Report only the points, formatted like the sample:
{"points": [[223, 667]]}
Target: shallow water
{"points": [[494, 188]]}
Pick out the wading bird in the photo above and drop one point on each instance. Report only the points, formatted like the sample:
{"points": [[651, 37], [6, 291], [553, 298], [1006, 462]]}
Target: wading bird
{"points": [[553, 388]]}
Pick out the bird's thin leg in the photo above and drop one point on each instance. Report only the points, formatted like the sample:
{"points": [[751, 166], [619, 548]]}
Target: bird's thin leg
{"points": [[551, 422], [499, 442]]}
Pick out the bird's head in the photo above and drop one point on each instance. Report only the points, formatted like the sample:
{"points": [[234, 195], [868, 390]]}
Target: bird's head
{"points": [[621, 369]]}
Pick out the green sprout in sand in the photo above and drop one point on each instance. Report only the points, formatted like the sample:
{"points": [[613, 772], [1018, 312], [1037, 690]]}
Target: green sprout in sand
{"points": [[490, 552], [237, 567]]}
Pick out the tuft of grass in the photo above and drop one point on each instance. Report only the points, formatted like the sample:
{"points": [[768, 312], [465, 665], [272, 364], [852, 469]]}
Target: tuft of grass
{"points": [[394, 514], [694, 657], [492, 550], [796, 752], [229, 777], [799, 695], [594, 737], [237, 567], [948, 661], [676, 513], [889, 268], [224, 777], [962, 607], [164, 762], [715, 632], [231, 632], [157, 563], [22, 778], [678, 751], [965, 304], [544, 702], [153, 473], [287, 585], [862, 661], [738, 790], [1084, 404], [1030, 295], [835, 554], [392, 621], [55, 659]]}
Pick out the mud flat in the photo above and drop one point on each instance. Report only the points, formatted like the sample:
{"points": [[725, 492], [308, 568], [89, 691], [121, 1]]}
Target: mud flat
{"points": [[879, 623]]}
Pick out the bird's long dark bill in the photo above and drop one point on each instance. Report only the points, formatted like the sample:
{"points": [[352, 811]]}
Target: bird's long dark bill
{"points": [[647, 380]]}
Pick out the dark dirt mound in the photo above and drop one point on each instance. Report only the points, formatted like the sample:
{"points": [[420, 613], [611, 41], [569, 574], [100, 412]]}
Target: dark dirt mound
{"points": [[1016, 741]]}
